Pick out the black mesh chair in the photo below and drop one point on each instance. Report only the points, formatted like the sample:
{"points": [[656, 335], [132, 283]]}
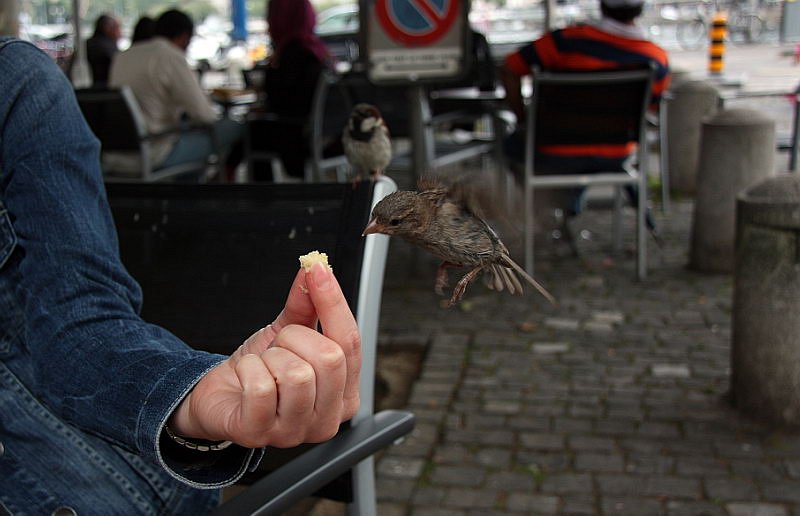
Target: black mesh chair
{"points": [[589, 108], [116, 120], [215, 262]]}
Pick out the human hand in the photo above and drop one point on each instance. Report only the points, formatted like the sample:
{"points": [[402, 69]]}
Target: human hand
{"points": [[287, 384]]}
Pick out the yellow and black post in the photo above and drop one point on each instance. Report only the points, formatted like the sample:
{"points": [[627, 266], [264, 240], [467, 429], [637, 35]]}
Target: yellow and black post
{"points": [[716, 52]]}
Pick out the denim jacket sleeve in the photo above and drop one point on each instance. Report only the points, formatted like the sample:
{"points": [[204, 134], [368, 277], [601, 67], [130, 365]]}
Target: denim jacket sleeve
{"points": [[92, 360]]}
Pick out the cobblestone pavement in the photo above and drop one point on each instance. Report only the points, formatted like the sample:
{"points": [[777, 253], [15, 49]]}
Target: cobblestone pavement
{"points": [[611, 402]]}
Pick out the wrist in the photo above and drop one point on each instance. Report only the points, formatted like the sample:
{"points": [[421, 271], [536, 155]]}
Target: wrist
{"points": [[180, 420], [200, 445]]}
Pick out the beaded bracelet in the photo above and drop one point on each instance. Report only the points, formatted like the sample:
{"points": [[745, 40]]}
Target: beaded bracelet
{"points": [[197, 446]]}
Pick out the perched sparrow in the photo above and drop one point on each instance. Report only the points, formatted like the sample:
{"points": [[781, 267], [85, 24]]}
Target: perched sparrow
{"points": [[440, 220], [366, 141]]}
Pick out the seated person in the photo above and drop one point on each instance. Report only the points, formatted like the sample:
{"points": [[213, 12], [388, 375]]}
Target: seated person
{"points": [[104, 413], [615, 42], [101, 47], [290, 78], [169, 92], [144, 29]]}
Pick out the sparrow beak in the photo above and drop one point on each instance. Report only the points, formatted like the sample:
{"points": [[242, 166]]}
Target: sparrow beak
{"points": [[372, 227]]}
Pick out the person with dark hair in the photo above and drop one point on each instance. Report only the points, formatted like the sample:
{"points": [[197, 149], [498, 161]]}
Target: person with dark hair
{"points": [[144, 29], [168, 92], [615, 42], [101, 47], [298, 58]]}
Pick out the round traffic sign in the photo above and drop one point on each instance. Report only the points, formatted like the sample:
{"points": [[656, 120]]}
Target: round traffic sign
{"points": [[416, 22]]}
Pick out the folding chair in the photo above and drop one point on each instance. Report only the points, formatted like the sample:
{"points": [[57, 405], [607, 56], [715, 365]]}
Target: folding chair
{"points": [[589, 108], [116, 119], [215, 262]]}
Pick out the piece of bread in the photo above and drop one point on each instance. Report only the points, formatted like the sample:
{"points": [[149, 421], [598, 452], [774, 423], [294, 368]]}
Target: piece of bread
{"points": [[308, 260]]}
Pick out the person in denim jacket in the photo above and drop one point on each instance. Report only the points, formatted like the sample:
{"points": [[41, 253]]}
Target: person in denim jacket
{"points": [[101, 412]]}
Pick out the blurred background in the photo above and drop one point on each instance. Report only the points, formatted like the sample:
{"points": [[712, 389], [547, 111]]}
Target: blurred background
{"points": [[232, 33]]}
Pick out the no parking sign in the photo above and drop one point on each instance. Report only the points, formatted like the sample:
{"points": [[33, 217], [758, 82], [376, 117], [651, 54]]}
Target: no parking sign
{"points": [[415, 40]]}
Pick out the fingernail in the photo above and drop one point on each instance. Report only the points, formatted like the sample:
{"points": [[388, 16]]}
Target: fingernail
{"points": [[321, 276]]}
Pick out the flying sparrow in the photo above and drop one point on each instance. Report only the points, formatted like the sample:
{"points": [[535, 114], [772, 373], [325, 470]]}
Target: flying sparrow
{"points": [[366, 141], [440, 220]]}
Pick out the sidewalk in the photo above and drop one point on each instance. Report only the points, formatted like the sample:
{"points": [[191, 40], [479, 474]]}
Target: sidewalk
{"points": [[611, 402]]}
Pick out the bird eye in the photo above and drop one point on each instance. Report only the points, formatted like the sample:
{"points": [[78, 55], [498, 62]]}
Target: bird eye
{"points": [[394, 222]]}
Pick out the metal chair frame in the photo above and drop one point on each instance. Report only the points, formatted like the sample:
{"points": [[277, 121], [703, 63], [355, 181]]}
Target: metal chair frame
{"points": [[117, 121], [588, 83]]}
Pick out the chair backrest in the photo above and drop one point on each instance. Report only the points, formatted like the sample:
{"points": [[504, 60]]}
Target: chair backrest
{"points": [[114, 117], [215, 262], [589, 108]]}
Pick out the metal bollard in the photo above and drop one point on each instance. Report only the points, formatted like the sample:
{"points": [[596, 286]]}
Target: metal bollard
{"points": [[737, 149], [765, 358], [716, 49]]}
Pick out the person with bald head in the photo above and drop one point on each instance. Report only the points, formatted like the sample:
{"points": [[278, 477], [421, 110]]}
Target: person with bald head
{"points": [[101, 47]]}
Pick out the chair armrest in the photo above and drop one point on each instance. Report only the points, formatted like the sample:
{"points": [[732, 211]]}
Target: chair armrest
{"points": [[307, 473]]}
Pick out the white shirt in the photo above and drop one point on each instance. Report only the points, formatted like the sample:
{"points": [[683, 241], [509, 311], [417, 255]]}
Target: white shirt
{"points": [[165, 87], [620, 29]]}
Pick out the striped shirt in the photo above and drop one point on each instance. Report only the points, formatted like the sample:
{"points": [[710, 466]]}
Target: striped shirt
{"points": [[609, 46]]}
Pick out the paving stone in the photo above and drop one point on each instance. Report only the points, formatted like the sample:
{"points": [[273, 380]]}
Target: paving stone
{"points": [[671, 371], [502, 407], [591, 443], [561, 323], [470, 499], [628, 506], [508, 481], [578, 505], [730, 489], [649, 464], [782, 491], [598, 326], [541, 441], [546, 348], [554, 462], [683, 508], [391, 509], [400, 467], [567, 483], [609, 317], [531, 503], [755, 509], [595, 462], [458, 476], [429, 496], [700, 466], [393, 489], [495, 458], [620, 485]]}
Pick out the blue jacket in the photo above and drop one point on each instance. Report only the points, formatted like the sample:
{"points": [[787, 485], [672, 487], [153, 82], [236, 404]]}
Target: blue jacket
{"points": [[86, 385]]}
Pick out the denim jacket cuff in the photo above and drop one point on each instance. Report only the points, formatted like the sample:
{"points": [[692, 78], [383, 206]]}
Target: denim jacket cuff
{"points": [[199, 469]]}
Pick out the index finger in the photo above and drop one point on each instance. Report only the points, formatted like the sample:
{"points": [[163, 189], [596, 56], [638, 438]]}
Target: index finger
{"points": [[338, 324], [299, 308]]}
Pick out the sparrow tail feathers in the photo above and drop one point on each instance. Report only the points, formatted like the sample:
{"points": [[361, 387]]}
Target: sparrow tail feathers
{"points": [[511, 263]]}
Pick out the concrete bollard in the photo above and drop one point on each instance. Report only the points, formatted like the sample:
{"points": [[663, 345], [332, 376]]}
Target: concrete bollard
{"points": [[765, 359], [691, 101], [737, 149]]}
